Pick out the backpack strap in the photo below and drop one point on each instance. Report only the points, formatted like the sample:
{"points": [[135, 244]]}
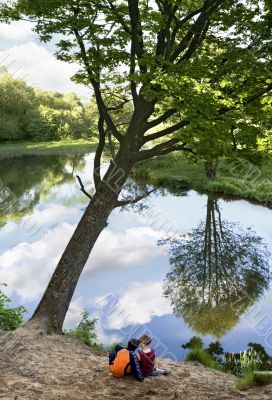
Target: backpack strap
{"points": [[135, 367]]}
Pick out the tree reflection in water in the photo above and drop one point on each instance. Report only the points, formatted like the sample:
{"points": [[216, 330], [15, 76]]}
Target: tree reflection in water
{"points": [[28, 179], [218, 271]]}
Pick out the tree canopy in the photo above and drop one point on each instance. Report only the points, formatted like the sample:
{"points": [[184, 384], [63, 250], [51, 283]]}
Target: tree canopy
{"points": [[202, 66]]}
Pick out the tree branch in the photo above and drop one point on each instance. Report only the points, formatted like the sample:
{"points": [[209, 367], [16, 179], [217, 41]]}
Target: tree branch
{"points": [[99, 152], [161, 119], [82, 188], [197, 28], [196, 41], [119, 106], [179, 25], [184, 123], [164, 36], [165, 131], [249, 100], [104, 112], [137, 43], [99, 100], [121, 203], [256, 96], [161, 149], [119, 17]]}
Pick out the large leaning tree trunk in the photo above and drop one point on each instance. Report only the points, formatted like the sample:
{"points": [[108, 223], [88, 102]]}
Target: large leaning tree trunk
{"points": [[51, 311], [153, 68]]}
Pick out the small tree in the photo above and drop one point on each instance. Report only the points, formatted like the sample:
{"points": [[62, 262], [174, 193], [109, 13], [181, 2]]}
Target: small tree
{"points": [[85, 330]]}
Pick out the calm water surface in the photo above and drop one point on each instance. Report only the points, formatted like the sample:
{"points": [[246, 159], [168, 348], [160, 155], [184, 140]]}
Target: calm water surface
{"points": [[184, 264]]}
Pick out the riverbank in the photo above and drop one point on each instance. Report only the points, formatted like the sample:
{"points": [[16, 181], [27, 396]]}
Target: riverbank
{"points": [[36, 366], [238, 178], [17, 149]]}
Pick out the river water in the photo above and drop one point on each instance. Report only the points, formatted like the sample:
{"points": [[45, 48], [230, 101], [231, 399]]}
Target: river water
{"points": [[179, 265]]}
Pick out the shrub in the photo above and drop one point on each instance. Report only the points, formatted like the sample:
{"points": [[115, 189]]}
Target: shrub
{"points": [[249, 361], [216, 351], [10, 318], [200, 355], [194, 343], [85, 330], [246, 381]]}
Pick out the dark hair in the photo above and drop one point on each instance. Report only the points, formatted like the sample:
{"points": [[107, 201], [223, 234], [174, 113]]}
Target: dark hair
{"points": [[133, 344]]}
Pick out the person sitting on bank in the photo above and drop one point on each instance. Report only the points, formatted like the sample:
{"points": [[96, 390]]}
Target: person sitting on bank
{"points": [[124, 361], [147, 358]]}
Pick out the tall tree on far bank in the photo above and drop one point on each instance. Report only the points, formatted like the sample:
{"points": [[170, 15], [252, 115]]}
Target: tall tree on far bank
{"points": [[34, 114], [167, 59]]}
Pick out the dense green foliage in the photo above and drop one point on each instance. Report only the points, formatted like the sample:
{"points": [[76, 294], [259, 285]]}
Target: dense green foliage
{"points": [[10, 317], [33, 114]]}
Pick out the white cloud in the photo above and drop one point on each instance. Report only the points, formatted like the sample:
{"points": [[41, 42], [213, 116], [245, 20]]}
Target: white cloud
{"points": [[117, 250], [19, 31], [26, 268], [73, 316], [137, 305], [40, 68]]}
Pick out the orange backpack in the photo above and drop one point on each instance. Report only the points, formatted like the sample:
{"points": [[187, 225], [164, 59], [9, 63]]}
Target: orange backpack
{"points": [[121, 364]]}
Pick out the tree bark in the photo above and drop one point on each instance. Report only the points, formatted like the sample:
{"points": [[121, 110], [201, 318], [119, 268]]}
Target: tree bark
{"points": [[50, 313], [211, 169]]}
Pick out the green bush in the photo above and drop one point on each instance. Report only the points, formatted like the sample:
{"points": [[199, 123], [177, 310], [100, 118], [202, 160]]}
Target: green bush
{"points": [[10, 318], [85, 331], [194, 343], [202, 356]]}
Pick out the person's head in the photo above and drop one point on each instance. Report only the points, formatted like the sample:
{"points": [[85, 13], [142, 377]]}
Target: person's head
{"points": [[133, 344], [145, 340]]}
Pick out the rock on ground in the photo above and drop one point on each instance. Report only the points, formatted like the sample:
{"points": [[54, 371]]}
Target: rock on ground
{"points": [[38, 367]]}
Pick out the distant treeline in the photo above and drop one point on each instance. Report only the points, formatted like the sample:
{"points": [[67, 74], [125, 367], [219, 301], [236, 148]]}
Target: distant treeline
{"points": [[27, 113]]}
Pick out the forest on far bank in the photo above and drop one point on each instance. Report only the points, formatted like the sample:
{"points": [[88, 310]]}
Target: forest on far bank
{"points": [[28, 113]]}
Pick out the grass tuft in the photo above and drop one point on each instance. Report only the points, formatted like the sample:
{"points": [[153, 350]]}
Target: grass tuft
{"points": [[200, 355]]}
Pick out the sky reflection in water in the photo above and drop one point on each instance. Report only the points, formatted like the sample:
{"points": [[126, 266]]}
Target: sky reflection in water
{"points": [[128, 281]]}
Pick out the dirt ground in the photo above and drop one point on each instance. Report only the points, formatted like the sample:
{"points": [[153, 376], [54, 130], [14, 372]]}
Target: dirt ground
{"points": [[38, 367]]}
